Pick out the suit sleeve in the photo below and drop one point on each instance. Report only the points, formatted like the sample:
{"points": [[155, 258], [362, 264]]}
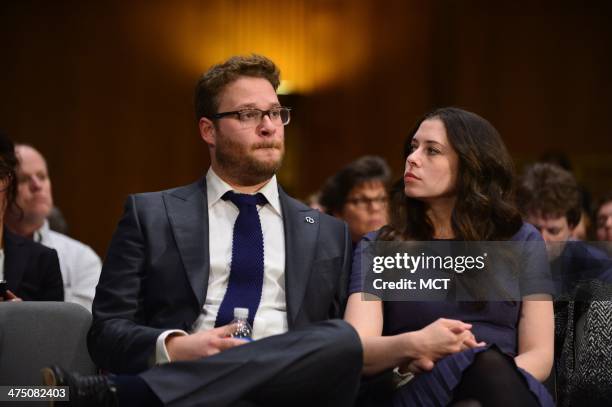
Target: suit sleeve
{"points": [[119, 340], [341, 298], [53, 286]]}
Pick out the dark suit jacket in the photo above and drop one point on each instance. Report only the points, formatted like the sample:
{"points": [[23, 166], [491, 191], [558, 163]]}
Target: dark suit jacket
{"points": [[155, 274], [31, 270]]}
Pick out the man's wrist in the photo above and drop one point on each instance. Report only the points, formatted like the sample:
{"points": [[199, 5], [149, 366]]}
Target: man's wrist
{"points": [[161, 352], [170, 343]]}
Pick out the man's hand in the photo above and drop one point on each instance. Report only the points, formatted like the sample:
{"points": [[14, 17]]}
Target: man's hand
{"points": [[201, 344], [9, 296]]}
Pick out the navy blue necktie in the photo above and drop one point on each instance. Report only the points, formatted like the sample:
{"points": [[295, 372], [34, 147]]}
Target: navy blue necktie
{"points": [[247, 268]]}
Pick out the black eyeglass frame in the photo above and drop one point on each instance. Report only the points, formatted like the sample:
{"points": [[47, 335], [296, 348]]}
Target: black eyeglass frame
{"points": [[263, 113]]}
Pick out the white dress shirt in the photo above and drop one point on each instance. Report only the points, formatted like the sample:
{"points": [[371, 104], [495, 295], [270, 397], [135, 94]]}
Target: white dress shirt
{"points": [[79, 264], [271, 315], [1, 264]]}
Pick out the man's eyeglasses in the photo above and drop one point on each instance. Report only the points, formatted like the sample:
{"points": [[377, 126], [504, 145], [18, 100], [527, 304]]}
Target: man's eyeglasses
{"points": [[253, 117], [363, 202]]}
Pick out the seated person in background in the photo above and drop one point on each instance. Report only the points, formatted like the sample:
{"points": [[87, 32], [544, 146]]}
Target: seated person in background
{"points": [[603, 216], [79, 264], [482, 352], [580, 230], [31, 271], [357, 194], [549, 198], [181, 260]]}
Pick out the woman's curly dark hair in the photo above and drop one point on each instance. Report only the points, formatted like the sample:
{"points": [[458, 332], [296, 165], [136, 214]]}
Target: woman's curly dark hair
{"points": [[8, 163], [485, 208]]}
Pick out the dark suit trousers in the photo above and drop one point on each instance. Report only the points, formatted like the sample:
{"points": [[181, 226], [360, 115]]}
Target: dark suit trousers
{"points": [[317, 365]]}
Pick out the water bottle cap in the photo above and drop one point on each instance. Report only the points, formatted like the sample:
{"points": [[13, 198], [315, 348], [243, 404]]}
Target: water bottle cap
{"points": [[241, 313]]}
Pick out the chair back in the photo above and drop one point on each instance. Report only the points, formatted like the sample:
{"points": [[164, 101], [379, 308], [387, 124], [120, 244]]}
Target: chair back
{"points": [[35, 334]]}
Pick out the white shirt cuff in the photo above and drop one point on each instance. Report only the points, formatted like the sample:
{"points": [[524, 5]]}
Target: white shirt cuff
{"points": [[161, 353]]}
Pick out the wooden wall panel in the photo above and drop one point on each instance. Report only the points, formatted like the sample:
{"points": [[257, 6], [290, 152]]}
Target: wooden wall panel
{"points": [[104, 89]]}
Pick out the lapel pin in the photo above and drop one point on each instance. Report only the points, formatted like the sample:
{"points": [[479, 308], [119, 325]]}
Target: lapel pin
{"points": [[309, 219]]}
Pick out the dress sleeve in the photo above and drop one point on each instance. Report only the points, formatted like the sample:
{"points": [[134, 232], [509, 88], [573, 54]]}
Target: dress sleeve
{"points": [[535, 275], [357, 275]]}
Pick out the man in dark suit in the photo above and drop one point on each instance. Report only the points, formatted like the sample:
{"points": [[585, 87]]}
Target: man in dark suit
{"points": [[31, 271], [181, 260]]}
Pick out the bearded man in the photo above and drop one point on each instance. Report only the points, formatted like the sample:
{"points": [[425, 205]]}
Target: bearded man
{"points": [[181, 260]]}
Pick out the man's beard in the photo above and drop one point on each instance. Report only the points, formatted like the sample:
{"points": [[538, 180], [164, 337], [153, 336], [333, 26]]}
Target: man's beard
{"points": [[238, 162]]}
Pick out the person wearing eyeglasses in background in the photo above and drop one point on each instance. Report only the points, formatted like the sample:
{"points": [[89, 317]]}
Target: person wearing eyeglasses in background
{"points": [[357, 194], [181, 260]]}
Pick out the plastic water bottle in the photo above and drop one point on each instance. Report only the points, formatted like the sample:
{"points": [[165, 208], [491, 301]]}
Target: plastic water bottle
{"points": [[243, 328]]}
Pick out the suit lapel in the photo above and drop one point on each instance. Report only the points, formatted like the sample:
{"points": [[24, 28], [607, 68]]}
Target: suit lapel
{"points": [[15, 261], [187, 210], [300, 245]]}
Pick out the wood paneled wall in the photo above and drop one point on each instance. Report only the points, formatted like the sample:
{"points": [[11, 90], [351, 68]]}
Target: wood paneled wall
{"points": [[104, 89]]}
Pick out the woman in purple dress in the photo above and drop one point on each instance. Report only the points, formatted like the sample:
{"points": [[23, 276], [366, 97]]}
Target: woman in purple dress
{"points": [[458, 186]]}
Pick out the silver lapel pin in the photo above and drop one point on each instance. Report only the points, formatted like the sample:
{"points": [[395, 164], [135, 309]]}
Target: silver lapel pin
{"points": [[309, 219]]}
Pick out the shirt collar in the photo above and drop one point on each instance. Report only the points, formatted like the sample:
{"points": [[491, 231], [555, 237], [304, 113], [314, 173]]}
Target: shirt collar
{"points": [[216, 187]]}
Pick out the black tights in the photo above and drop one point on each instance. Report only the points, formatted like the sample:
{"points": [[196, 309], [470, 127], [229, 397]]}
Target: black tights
{"points": [[492, 380]]}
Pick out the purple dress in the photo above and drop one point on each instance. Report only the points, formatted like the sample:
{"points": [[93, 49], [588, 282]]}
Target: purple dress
{"points": [[496, 324]]}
